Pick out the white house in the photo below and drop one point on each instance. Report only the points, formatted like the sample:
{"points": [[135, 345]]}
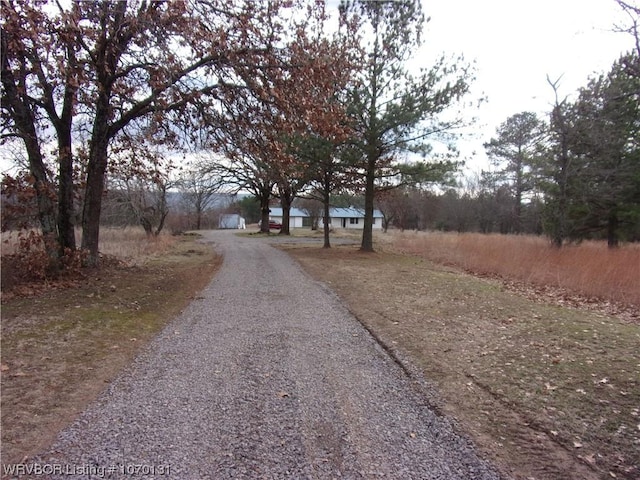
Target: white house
{"points": [[338, 218]]}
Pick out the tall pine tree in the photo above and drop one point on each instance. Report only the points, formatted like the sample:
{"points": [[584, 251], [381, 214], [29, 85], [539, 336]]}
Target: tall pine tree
{"points": [[606, 146], [394, 111], [515, 151]]}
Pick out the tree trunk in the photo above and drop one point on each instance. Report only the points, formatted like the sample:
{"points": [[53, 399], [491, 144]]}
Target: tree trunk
{"points": [[560, 220], [46, 206], [286, 199], [265, 196], [286, 218], [386, 221], [563, 180], [163, 217], [369, 196], [45, 200], [162, 207], [612, 230], [325, 217], [66, 227], [198, 218], [372, 151], [96, 170], [517, 212], [146, 225], [64, 125], [264, 219], [519, 191]]}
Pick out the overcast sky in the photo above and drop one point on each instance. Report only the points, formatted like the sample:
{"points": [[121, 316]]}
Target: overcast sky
{"points": [[516, 44]]}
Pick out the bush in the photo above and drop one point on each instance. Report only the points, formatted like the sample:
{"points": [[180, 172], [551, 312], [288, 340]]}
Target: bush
{"points": [[29, 262]]}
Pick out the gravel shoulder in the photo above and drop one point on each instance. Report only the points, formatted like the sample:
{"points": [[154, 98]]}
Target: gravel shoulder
{"points": [[264, 375]]}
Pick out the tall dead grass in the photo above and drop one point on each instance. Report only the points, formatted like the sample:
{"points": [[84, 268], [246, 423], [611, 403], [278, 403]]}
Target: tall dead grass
{"points": [[129, 244], [590, 268]]}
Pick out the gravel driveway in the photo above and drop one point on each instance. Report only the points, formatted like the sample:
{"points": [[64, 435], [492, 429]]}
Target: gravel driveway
{"points": [[264, 376]]}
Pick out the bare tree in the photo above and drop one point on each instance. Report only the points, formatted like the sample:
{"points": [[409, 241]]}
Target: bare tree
{"points": [[140, 179], [129, 73], [313, 208], [198, 187], [632, 9], [142, 201], [398, 207]]}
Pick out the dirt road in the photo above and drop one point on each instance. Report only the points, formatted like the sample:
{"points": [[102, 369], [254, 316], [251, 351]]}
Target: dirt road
{"points": [[264, 376]]}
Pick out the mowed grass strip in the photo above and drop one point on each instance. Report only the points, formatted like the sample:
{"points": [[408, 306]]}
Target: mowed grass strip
{"points": [[548, 392], [61, 348]]}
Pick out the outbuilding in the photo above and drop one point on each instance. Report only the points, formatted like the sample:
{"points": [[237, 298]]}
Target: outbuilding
{"points": [[231, 221]]}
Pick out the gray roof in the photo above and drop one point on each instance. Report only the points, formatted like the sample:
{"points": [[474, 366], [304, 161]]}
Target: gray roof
{"points": [[294, 212], [350, 212]]}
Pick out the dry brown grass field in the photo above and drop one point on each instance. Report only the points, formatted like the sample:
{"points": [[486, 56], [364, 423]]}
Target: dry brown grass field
{"points": [[589, 268], [132, 245], [129, 244]]}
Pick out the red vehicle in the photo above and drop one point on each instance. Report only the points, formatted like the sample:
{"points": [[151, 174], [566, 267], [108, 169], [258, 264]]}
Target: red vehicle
{"points": [[273, 225]]}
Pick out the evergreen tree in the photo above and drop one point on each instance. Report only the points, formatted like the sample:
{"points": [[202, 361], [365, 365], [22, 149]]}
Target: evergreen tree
{"points": [[606, 144], [558, 169], [516, 151], [394, 111]]}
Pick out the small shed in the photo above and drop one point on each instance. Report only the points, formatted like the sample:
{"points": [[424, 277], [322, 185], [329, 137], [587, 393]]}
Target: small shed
{"points": [[231, 220]]}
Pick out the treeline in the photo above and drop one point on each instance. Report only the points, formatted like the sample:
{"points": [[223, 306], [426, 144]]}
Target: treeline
{"points": [[277, 98], [285, 99], [487, 212], [581, 165], [573, 175]]}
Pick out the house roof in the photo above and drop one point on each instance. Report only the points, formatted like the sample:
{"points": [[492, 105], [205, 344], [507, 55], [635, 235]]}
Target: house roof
{"points": [[350, 212], [294, 212]]}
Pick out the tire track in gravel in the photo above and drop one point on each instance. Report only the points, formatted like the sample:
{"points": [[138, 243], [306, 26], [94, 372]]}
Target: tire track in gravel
{"points": [[265, 376]]}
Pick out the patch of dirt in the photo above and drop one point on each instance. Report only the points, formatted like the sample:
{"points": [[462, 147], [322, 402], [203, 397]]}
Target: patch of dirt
{"points": [[62, 346], [546, 391]]}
